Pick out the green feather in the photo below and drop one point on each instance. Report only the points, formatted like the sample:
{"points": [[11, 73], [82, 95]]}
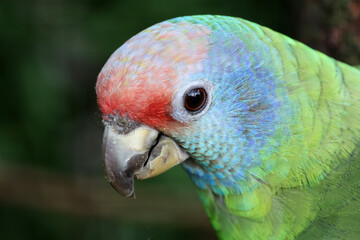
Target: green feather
{"points": [[315, 193]]}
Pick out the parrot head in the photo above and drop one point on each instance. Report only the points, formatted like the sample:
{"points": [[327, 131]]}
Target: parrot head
{"points": [[191, 91]]}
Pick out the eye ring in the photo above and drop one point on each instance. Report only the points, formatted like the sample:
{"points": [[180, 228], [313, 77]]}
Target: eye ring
{"points": [[195, 99], [183, 112]]}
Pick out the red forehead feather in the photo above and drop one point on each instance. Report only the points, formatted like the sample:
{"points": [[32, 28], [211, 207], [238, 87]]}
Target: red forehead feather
{"points": [[150, 105], [139, 78]]}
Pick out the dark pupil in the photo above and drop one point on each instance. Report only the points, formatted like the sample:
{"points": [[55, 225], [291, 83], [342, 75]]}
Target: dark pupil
{"points": [[195, 99]]}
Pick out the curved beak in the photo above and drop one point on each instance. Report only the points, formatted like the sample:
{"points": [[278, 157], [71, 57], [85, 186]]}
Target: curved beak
{"points": [[142, 153]]}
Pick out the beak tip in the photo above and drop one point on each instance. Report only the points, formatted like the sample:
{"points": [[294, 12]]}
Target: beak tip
{"points": [[125, 192], [123, 185], [132, 196]]}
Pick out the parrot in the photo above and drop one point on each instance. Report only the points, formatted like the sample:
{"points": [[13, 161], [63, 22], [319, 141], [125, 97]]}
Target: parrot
{"points": [[267, 128]]}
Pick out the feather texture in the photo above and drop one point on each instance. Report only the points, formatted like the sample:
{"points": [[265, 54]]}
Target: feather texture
{"points": [[276, 156]]}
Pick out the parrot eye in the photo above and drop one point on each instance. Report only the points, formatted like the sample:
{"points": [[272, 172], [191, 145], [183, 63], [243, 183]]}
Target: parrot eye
{"points": [[192, 100], [195, 99]]}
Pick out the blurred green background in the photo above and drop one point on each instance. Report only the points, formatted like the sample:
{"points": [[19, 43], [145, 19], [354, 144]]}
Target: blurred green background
{"points": [[52, 183]]}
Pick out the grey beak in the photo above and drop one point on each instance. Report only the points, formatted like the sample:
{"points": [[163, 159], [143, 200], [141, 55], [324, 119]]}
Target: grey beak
{"points": [[124, 154], [141, 153]]}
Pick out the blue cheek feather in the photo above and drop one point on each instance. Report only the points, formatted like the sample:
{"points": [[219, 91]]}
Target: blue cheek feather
{"points": [[246, 112]]}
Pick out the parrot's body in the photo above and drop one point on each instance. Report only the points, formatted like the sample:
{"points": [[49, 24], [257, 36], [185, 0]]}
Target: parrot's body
{"points": [[274, 149]]}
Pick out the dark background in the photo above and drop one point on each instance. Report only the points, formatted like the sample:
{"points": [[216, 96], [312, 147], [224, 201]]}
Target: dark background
{"points": [[52, 184]]}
